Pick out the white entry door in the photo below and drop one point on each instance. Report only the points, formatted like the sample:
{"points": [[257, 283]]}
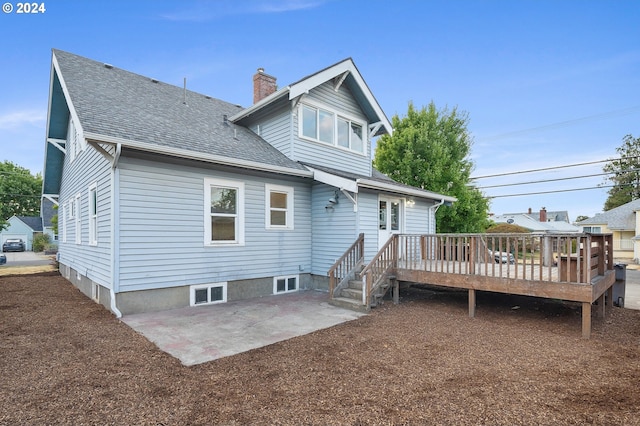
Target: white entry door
{"points": [[390, 218]]}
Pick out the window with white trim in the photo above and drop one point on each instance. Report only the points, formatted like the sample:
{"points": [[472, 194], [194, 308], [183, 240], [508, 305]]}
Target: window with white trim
{"points": [[224, 212], [323, 125], [76, 208], [93, 214], [592, 229], [73, 140], [285, 284], [207, 294], [279, 207]]}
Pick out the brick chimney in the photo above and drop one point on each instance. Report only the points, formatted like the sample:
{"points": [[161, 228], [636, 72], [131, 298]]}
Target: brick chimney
{"points": [[530, 210], [543, 214], [263, 85]]}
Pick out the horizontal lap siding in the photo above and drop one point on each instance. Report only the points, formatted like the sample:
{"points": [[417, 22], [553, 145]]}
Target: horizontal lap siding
{"points": [[276, 129], [333, 230], [368, 220], [418, 218], [162, 230], [92, 261], [327, 155]]}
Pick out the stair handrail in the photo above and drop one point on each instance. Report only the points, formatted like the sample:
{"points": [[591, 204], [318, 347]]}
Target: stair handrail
{"points": [[375, 272], [344, 266]]}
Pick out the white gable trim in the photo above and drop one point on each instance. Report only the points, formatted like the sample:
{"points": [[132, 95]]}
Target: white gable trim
{"points": [[67, 97], [341, 69]]}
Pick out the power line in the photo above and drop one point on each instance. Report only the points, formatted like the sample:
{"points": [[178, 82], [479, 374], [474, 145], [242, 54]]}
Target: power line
{"points": [[544, 169], [550, 192], [566, 123], [552, 180]]}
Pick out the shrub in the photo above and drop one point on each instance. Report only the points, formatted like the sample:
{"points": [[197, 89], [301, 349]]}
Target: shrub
{"points": [[41, 242]]}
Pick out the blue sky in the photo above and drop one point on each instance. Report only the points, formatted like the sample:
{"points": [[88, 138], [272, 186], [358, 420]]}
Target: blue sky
{"points": [[545, 83]]}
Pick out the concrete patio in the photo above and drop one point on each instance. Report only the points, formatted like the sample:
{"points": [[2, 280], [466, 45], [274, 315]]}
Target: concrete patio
{"points": [[204, 333]]}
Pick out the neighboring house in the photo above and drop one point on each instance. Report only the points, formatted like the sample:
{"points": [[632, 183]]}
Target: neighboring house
{"points": [[171, 198], [22, 227], [542, 222], [623, 222], [48, 210]]}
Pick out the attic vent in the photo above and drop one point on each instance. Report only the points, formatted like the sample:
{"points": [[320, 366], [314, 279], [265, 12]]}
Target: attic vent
{"points": [[153, 80], [207, 97], [108, 66]]}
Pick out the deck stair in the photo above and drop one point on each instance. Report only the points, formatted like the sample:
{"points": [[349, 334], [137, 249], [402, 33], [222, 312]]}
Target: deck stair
{"points": [[347, 281]]}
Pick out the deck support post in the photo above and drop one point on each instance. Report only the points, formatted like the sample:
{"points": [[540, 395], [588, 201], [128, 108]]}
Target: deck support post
{"points": [[472, 303], [586, 320], [601, 312], [610, 297], [395, 291]]}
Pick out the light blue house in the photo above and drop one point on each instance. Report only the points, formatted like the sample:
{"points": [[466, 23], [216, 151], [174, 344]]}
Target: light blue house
{"points": [[170, 198], [23, 228]]}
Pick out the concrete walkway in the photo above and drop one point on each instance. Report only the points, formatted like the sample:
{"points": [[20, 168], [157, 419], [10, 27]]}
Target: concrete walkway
{"points": [[199, 334]]}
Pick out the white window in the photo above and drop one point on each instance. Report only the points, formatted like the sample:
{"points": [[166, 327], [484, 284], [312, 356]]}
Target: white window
{"points": [[592, 229], [285, 284], [223, 212], [329, 127], [76, 209], [208, 294], [279, 207], [350, 135], [75, 140], [93, 214]]}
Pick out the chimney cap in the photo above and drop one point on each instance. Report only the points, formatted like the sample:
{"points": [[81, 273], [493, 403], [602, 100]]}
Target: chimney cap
{"points": [[260, 70]]}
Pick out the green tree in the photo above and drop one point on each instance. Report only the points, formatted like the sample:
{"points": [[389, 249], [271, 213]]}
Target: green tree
{"points": [[20, 192], [624, 174], [580, 218], [430, 149]]}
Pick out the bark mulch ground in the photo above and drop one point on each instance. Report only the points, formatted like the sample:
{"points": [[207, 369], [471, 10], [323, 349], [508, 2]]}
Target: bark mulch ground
{"points": [[66, 360]]}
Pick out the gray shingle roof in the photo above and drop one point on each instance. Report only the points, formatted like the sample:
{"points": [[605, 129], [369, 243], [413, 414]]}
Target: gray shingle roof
{"points": [[33, 222], [619, 218], [116, 103]]}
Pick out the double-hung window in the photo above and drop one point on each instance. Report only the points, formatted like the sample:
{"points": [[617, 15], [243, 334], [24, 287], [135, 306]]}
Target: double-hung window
{"points": [[279, 207], [224, 212], [325, 126]]}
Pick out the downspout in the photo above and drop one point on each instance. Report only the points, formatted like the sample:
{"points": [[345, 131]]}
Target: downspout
{"points": [[115, 187]]}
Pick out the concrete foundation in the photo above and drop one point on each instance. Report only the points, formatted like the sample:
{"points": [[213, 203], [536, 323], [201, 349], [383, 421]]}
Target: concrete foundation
{"points": [[162, 299]]}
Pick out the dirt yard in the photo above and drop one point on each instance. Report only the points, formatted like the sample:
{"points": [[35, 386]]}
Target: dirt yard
{"points": [[66, 360]]}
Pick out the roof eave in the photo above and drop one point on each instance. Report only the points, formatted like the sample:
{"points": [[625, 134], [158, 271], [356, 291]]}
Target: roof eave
{"points": [[259, 105], [194, 155]]}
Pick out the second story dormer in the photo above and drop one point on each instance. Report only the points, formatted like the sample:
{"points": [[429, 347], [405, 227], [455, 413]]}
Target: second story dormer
{"points": [[328, 118]]}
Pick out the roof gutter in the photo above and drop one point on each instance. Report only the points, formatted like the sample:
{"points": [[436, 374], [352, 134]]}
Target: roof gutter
{"points": [[420, 193], [200, 156]]}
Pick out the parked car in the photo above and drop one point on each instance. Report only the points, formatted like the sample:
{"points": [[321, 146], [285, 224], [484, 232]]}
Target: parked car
{"points": [[13, 244], [3, 259], [503, 257]]}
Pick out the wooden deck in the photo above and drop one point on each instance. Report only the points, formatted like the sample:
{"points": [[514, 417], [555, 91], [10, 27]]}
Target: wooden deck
{"points": [[575, 267]]}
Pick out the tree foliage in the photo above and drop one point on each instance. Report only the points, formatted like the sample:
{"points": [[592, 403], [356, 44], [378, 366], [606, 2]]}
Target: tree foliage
{"points": [[430, 149], [624, 174], [19, 192]]}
